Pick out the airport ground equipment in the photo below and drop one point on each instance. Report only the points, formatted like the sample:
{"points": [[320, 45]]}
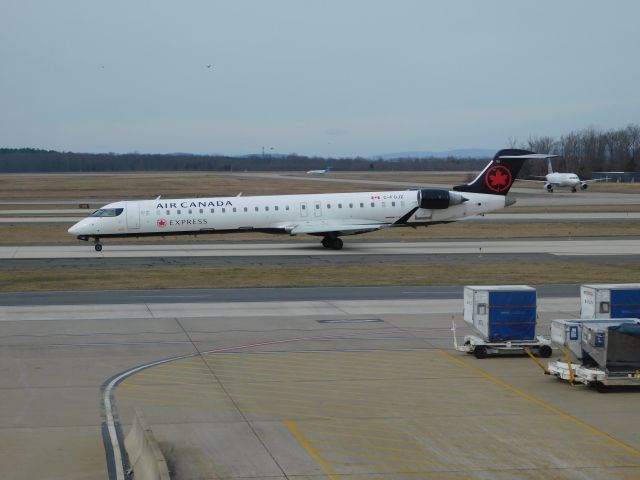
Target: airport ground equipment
{"points": [[568, 333], [610, 355], [603, 301], [481, 348], [592, 376]]}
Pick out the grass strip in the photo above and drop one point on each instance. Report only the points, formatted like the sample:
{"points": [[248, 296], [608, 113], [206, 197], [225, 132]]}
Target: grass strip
{"points": [[64, 278]]}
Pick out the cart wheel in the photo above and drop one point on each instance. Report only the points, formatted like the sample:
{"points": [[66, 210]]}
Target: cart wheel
{"points": [[601, 387], [545, 351], [480, 352]]}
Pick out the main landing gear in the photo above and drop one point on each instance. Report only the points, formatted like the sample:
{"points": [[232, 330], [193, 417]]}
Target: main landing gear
{"points": [[334, 243], [98, 245]]}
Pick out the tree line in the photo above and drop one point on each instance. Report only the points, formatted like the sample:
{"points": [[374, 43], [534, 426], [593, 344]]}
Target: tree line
{"points": [[586, 151], [29, 160], [581, 152]]}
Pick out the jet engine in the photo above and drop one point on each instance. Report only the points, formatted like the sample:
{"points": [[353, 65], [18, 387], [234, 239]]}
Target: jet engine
{"points": [[436, 199], [548, 187], [584, 185]]}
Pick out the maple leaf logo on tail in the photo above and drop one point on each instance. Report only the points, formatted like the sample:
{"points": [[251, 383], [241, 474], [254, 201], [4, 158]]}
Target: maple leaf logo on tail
{"points": [[498, 178]]}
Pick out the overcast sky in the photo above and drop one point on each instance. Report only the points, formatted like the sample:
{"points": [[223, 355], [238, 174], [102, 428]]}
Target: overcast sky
{"points": [[323, 77]]}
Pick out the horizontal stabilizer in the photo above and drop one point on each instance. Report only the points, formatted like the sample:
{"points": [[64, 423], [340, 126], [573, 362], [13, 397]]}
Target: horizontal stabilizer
{"points": [[532, 156]]}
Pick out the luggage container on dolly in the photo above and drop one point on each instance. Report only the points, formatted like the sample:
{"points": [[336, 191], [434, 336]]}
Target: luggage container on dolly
{"points": [[504, 317], [607, 352]]}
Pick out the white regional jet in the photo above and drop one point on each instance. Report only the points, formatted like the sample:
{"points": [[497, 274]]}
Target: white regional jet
{"points": [[321, 172], [567, 180], [328, 215]]}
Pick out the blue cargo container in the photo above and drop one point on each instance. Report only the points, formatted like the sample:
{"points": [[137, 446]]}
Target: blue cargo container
{"points": [[501, 313]]}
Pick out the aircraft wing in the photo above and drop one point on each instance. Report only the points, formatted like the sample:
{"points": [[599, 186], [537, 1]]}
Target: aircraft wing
{"points": [[594, 180], [339, 228], [534, 179]]}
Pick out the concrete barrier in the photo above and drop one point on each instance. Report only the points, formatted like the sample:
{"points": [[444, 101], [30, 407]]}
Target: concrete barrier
{"points": [[145, 457]]}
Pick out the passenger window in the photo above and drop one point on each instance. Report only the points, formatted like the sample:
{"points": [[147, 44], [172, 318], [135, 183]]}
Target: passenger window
{"points": [[361, 205], [266, 209], [328, 206], [212, 210], [178, 212], [317, 206], [190, 211], [393, 204], [257, 209], [224, 210], [373, 205], [275, 208], [304, 207], [201, 211], [287, 207], [339, 205], [246, 209], [168, 212], [351, 205], [234, 209]]}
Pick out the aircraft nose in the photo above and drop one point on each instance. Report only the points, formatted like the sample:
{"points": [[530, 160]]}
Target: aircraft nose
{"points": [[75, 229]]}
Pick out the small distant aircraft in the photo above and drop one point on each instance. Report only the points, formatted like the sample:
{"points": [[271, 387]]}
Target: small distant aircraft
{"points": [[327, 215], [566, 180], [320, 172]]}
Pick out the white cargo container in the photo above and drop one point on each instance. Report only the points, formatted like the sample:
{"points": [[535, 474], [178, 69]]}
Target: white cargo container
{"points": [[568, 333], [610, 300]]}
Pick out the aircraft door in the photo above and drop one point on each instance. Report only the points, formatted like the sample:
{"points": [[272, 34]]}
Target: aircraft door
{"points": [[317, 209], [303, 210], [132, 210]]}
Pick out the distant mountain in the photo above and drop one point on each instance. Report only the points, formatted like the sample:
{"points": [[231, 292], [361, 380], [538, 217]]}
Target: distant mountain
{"points": [[458, 153]]}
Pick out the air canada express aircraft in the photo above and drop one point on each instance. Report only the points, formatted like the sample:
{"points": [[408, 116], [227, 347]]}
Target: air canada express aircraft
{"points": [[327, 215]]}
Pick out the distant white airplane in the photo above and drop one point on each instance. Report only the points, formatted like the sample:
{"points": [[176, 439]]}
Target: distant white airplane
{"points": [[328, 215], [320, 172], [566, 180]]}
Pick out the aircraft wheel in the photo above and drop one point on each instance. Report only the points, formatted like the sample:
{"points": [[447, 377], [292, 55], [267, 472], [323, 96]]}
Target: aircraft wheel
{"points": [[573, 190], [326, 242], [336, 244], [98, 247]]}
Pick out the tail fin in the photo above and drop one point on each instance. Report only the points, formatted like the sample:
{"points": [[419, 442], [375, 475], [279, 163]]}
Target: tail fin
{"points": [[549, 168], [498, 176]]}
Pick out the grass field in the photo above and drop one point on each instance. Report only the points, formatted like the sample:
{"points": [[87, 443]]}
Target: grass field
{"points": [[83, 186], [59, 279]]}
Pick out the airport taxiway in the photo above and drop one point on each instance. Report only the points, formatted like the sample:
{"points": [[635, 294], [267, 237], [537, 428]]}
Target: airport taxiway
{"points": [[296, 387], [571, 247]]}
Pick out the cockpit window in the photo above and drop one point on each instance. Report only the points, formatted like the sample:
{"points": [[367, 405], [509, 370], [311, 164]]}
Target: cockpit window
{"points": [[107, 212]]}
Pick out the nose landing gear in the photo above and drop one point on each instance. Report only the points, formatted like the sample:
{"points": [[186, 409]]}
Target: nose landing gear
{"points": [[98, 245], [334, 243]]}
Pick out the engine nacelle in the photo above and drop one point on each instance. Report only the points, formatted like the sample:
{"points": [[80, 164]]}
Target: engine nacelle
{"points": [[548, 187], [584, 185], [436, 199]]}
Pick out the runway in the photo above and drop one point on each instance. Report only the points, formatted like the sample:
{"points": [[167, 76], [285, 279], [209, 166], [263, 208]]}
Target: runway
{"points": [[565, 247]]}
